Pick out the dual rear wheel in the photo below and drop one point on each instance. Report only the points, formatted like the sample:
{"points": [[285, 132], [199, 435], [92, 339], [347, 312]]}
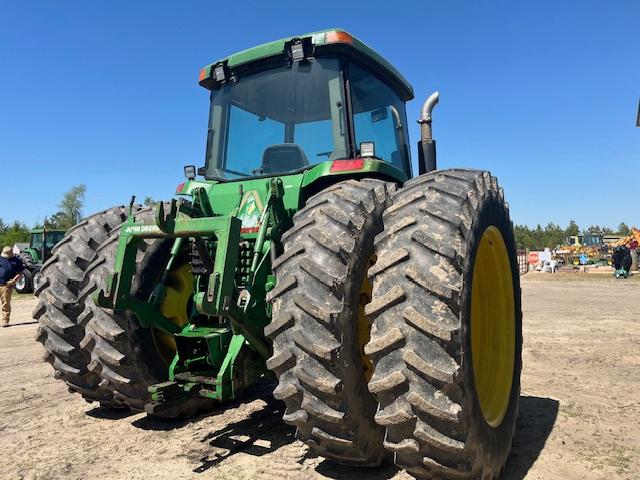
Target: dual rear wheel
{"points": [[438, 344]]}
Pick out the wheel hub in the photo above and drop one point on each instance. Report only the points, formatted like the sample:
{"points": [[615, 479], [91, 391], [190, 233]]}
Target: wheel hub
{"points": [[175, 307], [493, 326]]}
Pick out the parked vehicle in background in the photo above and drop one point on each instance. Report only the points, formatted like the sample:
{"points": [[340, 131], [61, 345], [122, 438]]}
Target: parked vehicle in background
{"points": [[41, 243]]}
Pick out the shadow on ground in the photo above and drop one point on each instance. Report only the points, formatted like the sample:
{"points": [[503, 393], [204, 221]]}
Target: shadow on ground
{"points": [[261, 433], [340, 472], [110, 413], [261, 390], [535, 423], [21, 323]]}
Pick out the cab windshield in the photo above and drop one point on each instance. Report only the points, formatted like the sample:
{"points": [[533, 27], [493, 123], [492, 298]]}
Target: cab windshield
{"points": [[52, 238], [277, 121], [36, 240]]}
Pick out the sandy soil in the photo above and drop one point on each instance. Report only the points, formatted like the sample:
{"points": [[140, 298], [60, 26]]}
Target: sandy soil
{"points": [[580, 407]]}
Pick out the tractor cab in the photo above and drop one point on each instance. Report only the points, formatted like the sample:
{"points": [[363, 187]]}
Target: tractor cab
{"points": [[42, 242], [284, 107]]}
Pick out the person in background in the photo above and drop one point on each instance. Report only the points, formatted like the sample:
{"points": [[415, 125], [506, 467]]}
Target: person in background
{"points": [[633, 246], [621, 261], [11, 268]]}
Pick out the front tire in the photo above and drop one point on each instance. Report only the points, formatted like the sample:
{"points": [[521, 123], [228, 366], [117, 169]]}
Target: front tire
{"points": [[446, 339]]}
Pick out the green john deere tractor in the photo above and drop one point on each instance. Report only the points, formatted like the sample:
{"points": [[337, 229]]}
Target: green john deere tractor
{"points": [[41, 242], [386, 304]]}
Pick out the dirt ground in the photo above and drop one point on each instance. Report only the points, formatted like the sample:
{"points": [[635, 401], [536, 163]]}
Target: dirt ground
{"points": [[579, 415]]}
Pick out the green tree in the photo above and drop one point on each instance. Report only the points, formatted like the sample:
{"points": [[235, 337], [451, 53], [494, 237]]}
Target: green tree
{"points": [[623, 229], [70, 209], [149, 201], [553, 236], [594, 230], [572, 229], [11, 234], [523, 237]]}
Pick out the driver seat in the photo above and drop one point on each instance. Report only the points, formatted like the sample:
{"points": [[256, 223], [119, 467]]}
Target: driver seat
{"points": [[283, 157]]}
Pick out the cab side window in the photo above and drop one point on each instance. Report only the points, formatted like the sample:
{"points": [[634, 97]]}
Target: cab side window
{"points": [[379, 116]]}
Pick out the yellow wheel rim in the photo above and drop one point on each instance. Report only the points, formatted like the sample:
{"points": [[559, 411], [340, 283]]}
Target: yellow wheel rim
{"points": [[493, 326], [175, 306], [364, 328]]}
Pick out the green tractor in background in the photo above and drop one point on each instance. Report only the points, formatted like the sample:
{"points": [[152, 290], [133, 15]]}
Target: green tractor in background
{"points": [[386, 305], [41, 243]]}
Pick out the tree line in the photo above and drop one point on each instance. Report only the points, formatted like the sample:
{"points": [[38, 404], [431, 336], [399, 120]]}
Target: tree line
{"points": [[552, 235], [68, 214]]}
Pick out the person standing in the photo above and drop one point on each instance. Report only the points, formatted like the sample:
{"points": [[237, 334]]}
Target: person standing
{"points": [[11, 268], [633, 248]]}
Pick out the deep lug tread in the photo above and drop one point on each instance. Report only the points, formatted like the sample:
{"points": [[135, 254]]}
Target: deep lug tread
{"points": [[397, 413], [434, 327], [424, 404], [382, 302], [390, 339], [123, 353], [278, 362], [324, 347], [387, 383], [284, 286], [432, 369], [298, 418], [321, 410], [323, 382], [284, 321], [286, 391], [430, 435], [313, 320], [60, 303]]}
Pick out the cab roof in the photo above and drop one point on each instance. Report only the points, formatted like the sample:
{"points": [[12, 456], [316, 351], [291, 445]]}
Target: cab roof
{"points": [[326, 42]]}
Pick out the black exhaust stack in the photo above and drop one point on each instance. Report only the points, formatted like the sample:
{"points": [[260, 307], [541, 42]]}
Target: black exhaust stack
{"points": [[427, 145]]}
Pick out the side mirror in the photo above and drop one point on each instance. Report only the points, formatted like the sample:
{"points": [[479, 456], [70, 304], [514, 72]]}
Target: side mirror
{"points": [[427, 145]]}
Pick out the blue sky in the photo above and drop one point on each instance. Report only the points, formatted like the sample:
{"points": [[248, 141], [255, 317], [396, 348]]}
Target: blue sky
{"points": [[544, 94]]}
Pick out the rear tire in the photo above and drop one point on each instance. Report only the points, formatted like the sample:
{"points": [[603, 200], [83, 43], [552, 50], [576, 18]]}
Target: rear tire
{"points": [[318, 354], [59, 309], [443, 418], [26, 285], [123, 353]]}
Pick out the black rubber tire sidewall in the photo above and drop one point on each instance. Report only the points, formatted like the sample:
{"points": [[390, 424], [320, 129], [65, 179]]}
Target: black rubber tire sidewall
{"points": [[492, 444], [28, 282]]}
